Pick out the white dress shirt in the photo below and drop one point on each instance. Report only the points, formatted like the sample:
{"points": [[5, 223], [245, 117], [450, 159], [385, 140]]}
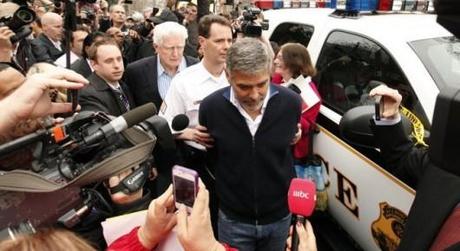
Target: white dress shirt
{"points": [[188, 88], [253, 124], [61, 61]]}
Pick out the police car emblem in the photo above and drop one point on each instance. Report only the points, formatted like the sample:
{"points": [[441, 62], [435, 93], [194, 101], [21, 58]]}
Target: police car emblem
{"points": [[387, 230]]}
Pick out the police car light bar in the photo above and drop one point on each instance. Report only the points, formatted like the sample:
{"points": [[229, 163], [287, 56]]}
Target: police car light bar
{"points": [[351, 8]]}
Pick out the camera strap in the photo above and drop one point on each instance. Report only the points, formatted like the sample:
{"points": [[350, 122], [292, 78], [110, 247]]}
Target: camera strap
{"points": [[140, 151]]}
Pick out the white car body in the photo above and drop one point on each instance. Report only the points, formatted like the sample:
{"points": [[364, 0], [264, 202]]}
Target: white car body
{"points": [[359, 188]]}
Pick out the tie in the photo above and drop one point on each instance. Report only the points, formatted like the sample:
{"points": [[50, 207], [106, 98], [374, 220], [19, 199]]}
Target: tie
{"points": [[123, 98], [450, 231]]}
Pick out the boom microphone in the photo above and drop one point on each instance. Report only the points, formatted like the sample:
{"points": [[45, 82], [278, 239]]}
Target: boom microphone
{"points": [[122, 122], [58, 132], [301, 202]]}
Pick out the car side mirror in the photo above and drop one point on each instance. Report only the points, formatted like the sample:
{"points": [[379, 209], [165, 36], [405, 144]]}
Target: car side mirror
{"points": [[355, 126]]}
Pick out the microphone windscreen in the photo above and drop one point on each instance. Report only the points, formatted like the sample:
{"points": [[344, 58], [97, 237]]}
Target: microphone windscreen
{"points": [[302, 197], [180, 122], [139, 114]]}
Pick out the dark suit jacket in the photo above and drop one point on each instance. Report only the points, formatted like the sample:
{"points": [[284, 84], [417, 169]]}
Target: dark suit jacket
{"points": [[141, 77], [437, 190], [99, 96], [42, 45], [81, 66]]}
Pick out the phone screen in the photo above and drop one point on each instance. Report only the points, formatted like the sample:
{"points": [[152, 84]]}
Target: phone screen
{"points": [[184, 191]]}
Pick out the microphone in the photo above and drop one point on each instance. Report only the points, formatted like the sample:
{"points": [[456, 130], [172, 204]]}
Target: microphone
{"points": [[122, 122], [301, 203], [58, 132], [180, 122]]}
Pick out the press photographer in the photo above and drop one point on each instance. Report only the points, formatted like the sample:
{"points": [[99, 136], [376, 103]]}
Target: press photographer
{"points": [[252, 23], [15, 28]]}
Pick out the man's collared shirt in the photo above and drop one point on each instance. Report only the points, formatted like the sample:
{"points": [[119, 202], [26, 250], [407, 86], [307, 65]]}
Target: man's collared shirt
{"points": [[253, 124], [164, 79], [61, 61], [56, 44], [89, 64], [186, 92]]}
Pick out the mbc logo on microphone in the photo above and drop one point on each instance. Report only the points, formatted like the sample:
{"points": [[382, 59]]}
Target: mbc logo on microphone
{"points": [[302, 195]]}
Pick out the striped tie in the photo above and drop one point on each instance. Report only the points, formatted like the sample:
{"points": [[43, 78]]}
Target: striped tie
{"points": [[123, 98]]}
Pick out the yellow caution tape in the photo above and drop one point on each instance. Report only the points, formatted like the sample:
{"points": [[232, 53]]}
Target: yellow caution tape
{"points": [[418, 131]]}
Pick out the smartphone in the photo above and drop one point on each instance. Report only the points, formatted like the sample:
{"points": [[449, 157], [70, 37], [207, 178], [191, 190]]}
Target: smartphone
{"points": [[185, 183], [378, 107]]}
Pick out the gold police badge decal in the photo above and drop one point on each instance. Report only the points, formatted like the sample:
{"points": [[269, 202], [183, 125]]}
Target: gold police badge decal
{"points": [[387, 230]]}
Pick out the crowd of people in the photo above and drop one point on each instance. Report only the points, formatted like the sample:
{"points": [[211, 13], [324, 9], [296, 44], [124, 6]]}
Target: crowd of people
{"points": [[249, 122], [184, 66]]}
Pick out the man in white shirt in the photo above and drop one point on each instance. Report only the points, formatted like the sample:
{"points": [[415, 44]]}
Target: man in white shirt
{"points": [[189, 88], [192, 85], [76, 47]]}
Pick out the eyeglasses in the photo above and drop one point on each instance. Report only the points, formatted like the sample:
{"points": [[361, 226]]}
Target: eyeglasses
{"points": [[172, 48]]}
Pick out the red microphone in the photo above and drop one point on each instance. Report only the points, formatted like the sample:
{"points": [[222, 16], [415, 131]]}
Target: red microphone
{"points": [[301, 202]]}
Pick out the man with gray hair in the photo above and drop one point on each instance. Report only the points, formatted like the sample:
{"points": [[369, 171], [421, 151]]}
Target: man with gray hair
{"points": [[149, 78], [253, 124]]}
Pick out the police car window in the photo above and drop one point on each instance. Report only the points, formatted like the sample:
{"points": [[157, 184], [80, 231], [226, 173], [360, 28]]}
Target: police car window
{"points": [[292, 32], [349, 66], [441, 57]]}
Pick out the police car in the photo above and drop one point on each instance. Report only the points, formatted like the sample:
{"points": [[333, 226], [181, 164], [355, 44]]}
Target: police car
{"points": [[353, 53]]}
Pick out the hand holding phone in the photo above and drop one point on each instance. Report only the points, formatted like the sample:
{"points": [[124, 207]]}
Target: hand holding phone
{"points": [[387, 105], [185, 182], [379, 105]]}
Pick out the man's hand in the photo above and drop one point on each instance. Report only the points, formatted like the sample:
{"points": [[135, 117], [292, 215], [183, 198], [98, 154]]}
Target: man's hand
{"points": [[31, 99], [199, 134], [307, 239], [6, 48], [195, 231], [298, 135], [160, 220], [391, 100], [134, 35]]}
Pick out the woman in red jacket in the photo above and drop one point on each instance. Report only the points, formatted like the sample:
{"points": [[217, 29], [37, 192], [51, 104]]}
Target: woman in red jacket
{"points": [[293, 63]]}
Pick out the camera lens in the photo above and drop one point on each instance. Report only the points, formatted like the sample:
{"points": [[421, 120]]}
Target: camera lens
{"points": [[25, 16]]}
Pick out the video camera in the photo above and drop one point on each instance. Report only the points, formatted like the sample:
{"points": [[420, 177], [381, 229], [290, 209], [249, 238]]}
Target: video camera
{"points": [[85, 149], [18, 22], [249, 27], [143, 28]]}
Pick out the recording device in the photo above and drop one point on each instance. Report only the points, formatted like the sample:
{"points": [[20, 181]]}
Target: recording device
{"points": [[379, 106], [72, 133], [185, 183], [19, 22], [301, 203], [87, 16], [180, 122], [143, 28], [85, 144], [62, 153], [249, 27]]}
